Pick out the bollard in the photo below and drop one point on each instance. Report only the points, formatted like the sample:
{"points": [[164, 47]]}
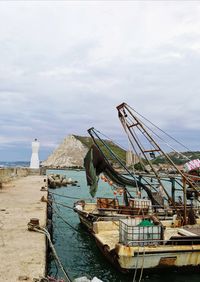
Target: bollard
{"points": [[34, 222]]}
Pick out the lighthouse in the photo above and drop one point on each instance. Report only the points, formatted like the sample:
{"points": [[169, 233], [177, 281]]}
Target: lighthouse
{"points": [[35, 163]]}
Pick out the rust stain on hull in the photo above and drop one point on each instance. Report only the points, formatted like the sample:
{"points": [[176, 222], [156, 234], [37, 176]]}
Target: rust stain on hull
{"points": [[168, 261]]}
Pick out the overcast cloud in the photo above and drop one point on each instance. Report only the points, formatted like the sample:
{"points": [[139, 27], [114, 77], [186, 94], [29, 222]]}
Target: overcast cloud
{"points": [[65, 66]]}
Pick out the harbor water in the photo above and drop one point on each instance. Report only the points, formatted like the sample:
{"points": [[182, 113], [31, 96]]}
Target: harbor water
{"points": [[76, 248]]}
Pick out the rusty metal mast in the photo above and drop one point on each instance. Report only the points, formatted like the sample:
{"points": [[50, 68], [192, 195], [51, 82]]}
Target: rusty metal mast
{"points": [[130, 122]]}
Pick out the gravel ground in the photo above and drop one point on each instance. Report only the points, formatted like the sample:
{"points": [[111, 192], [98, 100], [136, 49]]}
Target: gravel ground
{"points": [[22, 252]]}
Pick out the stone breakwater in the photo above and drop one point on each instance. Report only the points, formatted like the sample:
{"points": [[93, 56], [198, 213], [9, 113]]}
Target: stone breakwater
{"points": [[11, 173]]}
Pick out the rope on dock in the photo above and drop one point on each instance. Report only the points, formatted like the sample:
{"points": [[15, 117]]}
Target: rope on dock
{"points": [[47, 279], [45, 232]]}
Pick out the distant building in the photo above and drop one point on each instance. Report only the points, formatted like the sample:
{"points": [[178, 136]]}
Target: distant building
{"points": [[131, 158], [35, 163]]}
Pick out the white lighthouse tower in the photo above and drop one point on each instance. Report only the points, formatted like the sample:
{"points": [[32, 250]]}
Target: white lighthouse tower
{"points": [[35, 163]]}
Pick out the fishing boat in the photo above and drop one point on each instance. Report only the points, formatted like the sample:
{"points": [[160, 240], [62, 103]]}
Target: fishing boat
{"points": [[109, 209], [158, 232], [142, 244], [123, 204]]}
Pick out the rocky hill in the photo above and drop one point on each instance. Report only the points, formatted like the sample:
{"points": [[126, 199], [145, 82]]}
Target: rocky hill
{"points": [[71, 152]]}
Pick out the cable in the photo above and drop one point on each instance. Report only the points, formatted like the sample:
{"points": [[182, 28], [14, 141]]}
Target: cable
{"points": [[57, 203], [136, 265], [45, 232], [74, 198], [159, 129], [113, 141], [112, 153], [167, 143], [142, 265], [63, 218]]}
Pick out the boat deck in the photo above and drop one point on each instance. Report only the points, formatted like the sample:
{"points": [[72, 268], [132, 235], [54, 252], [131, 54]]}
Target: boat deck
{"points": [[110, 238], [107, 233]]}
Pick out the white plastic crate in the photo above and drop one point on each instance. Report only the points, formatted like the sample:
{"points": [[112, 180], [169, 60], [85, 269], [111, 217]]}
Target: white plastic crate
{"points": [[140, 203], [132, 234]]}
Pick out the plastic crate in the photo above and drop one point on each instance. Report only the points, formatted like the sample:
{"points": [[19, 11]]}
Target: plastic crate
{"points": [[131, 234], [140, 203]]}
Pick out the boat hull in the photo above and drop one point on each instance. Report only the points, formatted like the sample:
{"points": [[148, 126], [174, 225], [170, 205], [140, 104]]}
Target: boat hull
{"points": [[88, 219], [86, 222], [126, 260], [149, 258]]}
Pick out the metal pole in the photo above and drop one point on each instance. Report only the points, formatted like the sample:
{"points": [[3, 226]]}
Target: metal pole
{"points": [[184, 201], [173, 188]]}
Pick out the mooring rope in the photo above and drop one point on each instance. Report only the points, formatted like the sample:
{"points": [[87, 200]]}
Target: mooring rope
{"points": [[136, 265], [63, 205], [62, 217], [63, 196], [45, 232], [142, 268]]}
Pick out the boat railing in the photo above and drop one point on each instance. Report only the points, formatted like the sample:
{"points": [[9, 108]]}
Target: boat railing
{"points": [[156, 210], [175, 241]]}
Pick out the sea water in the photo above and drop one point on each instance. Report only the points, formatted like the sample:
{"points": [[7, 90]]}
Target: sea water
{"points": [[76, 248]]}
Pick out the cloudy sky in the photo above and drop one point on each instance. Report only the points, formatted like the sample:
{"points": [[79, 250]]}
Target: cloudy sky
{"points": [[65, 66]]}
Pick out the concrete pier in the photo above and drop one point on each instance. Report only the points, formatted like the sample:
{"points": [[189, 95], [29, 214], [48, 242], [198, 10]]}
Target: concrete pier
{"points": [[22, 252]]}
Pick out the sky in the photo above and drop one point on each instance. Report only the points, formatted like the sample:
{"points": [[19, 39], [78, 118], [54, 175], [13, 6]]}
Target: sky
{"points": [[66, 65]]}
